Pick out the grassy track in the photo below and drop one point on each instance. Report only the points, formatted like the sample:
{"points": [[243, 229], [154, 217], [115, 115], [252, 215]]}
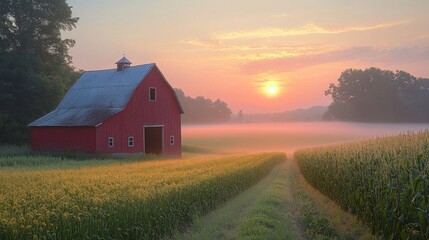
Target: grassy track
{"points": [[257, 213], [282, 206], [269, 218]]}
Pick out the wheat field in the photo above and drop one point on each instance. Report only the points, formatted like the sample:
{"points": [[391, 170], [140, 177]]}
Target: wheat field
{"points": [[141, 200]]}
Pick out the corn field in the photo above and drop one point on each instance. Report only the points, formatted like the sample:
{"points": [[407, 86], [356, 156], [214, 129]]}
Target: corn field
{"points": [[146, 200], [383, 181]]}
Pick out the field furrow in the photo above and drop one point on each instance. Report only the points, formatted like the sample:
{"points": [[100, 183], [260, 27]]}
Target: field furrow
{"points": [[122, 201]]}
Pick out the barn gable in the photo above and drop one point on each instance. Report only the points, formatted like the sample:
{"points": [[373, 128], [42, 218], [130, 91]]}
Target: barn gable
{"points": [[96, 96], [113, 111]]}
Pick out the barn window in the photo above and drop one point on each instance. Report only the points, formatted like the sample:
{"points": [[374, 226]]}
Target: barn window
{"points": [[111, 142], [171, 140], [131, 141], [152, 94]]}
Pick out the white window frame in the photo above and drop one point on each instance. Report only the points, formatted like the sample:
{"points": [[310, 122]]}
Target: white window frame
{"points": [[152, 100], [131, 140], [111, 142], [172, 140]]}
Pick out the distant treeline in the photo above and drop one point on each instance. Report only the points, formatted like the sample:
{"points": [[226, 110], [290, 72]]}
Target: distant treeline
{"points": [[314, 113], [203, 110], [375, 95]]}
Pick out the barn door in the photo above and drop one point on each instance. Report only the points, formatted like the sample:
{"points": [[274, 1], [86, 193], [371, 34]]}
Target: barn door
{"points": [[153, 139]]}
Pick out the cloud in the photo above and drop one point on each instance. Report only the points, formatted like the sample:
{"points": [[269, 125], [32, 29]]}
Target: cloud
{"points": [[307, 29], [259, 52], [425, 36], [213, 44], [277, 82], [255, 56], [365, 54], [254, 52], [283, 15]]}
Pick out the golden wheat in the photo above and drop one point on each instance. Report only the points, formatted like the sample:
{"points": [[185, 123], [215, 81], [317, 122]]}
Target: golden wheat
{"points": [[121, 201]]}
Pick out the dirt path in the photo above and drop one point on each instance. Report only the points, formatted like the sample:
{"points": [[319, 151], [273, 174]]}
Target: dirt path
{"points": [[293, 207], [281, 206], [261, 212]]}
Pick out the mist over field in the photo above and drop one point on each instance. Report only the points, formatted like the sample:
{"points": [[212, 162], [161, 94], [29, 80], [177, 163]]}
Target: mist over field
{"points": [[286, 137]]}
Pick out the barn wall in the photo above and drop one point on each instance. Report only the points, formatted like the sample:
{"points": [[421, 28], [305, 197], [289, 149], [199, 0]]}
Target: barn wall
{"points": [[69, 139], [141, 112]]}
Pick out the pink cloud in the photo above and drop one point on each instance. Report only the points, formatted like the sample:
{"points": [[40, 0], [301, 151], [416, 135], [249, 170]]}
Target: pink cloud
{"points": [[370, 55], [310, 28]]}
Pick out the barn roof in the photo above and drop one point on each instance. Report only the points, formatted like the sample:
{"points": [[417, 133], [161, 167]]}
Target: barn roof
{"points": [[124, 60], [95, 97]]}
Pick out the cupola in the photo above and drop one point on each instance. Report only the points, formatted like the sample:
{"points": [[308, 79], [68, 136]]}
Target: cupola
{"points": [[122, 64]]}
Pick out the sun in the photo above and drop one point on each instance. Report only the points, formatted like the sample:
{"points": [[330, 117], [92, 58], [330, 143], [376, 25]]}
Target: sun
{"points": [[271, 90], [269, 85]]}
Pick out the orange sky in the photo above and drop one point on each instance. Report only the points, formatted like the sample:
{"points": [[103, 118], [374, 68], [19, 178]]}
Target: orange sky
{"points": [[240, 51]]}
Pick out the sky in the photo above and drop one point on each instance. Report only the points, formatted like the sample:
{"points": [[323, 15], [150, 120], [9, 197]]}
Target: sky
{"points": [[258, 56]]}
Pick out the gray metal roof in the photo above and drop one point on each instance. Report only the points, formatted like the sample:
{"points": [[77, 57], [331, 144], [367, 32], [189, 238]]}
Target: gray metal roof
{"points": [[96, 96], [75, 117], [124, 60]]}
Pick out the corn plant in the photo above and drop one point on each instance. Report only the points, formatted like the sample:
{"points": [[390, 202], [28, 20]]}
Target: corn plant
{"points": [[384, 181]]}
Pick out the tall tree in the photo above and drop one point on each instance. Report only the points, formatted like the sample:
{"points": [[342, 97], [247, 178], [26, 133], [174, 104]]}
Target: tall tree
{"points": [[35, 66]]}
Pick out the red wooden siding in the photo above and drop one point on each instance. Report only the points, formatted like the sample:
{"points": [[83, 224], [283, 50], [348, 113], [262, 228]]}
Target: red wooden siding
{"points": [[141, 112], [130, 122], [71, 139]]}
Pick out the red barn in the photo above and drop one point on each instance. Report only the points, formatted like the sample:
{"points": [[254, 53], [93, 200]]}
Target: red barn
{"points": [[129, 109]]}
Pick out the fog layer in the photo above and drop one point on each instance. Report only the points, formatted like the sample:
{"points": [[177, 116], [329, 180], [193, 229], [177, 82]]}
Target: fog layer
{"points": [[285, 137]]}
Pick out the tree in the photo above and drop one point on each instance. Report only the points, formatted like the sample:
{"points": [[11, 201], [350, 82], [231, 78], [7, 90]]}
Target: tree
{"points": [[221, 110], [375, 95], [203, 110], [35, 69], [240, 116]]}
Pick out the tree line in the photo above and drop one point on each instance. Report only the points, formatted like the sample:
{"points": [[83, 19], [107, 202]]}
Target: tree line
{"points": [[203, 110], [375, 95], [35, 70]]}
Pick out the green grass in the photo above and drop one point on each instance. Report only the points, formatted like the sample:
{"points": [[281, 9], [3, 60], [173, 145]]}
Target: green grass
{"points": [[47, 161], [22, 157], [197, 150], [269, 218], [13, 150], [257, 213]]}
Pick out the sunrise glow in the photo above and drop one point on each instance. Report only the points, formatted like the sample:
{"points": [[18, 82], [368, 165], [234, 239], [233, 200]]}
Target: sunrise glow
{"points": [[281, 56], [271, 90]]}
